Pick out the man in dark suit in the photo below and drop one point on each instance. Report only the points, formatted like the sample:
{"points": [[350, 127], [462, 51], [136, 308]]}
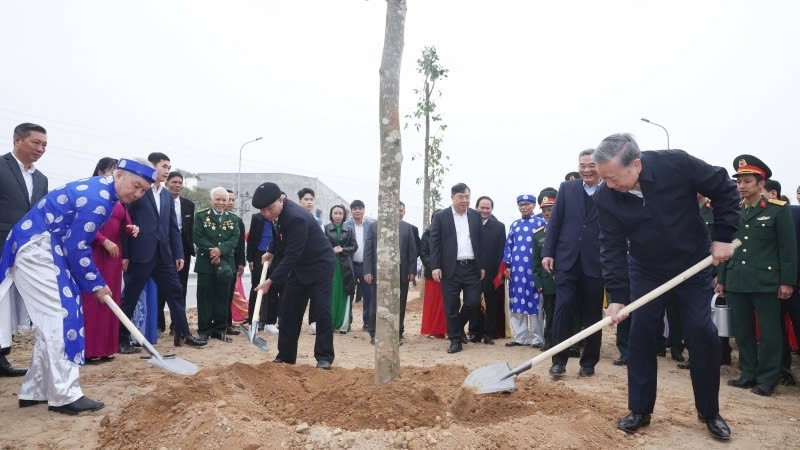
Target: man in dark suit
{"points": [[306, 272], [184, 213], [258, 240], [21, 186], [408, 270], [651, 231], [417, 242], [492, 245], [572, 250], [456, 262], [158, 253]]}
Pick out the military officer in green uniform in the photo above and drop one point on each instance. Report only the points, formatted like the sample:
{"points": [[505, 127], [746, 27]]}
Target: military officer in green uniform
{"points": [[216, 233], [544, 280], [760, 275]]}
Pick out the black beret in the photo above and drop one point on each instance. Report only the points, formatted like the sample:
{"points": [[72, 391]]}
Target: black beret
{"points": [[265, 195]]}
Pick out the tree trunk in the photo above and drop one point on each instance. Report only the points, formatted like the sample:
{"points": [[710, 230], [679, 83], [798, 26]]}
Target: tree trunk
{"points": [[387, 333], [426, 181]]}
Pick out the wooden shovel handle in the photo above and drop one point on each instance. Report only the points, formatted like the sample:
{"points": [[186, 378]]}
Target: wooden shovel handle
{"points": [[643, 300], [131, 327]]}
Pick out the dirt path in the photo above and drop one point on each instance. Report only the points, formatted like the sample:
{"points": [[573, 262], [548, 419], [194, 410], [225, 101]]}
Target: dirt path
{"points": [[240, 400]]}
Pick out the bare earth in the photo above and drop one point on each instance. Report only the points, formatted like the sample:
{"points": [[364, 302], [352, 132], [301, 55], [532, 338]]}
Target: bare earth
{"points": [[240, 400]]}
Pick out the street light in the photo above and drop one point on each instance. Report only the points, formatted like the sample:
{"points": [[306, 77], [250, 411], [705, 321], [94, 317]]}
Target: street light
{"points": [[239, 174], [662, 127]]}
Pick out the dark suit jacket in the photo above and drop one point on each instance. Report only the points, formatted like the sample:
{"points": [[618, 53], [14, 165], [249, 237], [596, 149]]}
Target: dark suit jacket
{"points": [[307, 252], [796, 217], [417, 241], [254, 237], [666, 233], [239, 255], [14, 201], [187, 224], [572, 233], [425, 253], [493, 244], [408, 250], [158, 232], [444, 245]]}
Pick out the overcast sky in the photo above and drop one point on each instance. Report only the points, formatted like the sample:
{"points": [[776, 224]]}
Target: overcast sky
{"points": [[531, 84]]}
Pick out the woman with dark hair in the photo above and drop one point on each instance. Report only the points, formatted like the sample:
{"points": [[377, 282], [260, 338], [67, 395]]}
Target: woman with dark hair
{"points": [[434, 321], [101, 326], [343, 240]]}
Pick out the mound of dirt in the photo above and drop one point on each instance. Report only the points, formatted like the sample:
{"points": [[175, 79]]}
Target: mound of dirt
{"points": [[191, 411]]}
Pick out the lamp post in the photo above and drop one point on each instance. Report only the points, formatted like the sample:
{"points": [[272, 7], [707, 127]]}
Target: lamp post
{"points": [[239, 175], [660, 126]]}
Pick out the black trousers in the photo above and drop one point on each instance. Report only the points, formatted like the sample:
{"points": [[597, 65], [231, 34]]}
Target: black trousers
{"points": [[699, 332], [549, 303], [183, 276], [486, 325], [293, 306], [165, 275], [403, 299], [466, 278], [577, 296]]}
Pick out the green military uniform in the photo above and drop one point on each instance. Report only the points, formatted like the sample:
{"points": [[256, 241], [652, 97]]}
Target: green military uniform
{"points": [[766, 260], [544, 280], [214, 280]]}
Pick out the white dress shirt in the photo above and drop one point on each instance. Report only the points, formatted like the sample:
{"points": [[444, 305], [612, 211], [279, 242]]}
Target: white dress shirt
{"points": [[157, 195], [27, 175], [462, 236], [589, 189], [178, 212]]}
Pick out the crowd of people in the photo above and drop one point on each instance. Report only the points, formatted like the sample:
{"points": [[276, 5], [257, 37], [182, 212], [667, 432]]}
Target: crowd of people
{"points": [[625, 223]]}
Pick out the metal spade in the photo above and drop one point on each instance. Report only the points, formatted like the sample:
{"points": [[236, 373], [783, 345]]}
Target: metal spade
{"points": [[170, 363], [258, 341]]}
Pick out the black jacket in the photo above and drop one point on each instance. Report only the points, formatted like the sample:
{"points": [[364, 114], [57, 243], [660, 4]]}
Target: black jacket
{"points": [[573, 231], [187, 225], [14, 201], [444, 245], [425, 253], [349, 246], [408, 251], [667, 235], [306, 251], [238, 254], [493, 244]]}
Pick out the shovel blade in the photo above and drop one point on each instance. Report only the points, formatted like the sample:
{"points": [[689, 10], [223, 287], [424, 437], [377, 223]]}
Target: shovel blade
{"points": [[174, 364], [490, 379], [258, 341]]}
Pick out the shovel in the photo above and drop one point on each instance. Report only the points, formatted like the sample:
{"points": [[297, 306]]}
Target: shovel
{"points": [[170, 363], [501, 378], [251, 333]]}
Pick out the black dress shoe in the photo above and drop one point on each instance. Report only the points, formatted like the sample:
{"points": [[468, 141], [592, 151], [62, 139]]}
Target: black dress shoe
{"points": [[475, 339], [621, 361], [786, 378], [513, 344], [83, 404], [586, 371], [232, 331], [488, 340], [677, 355], [325, 365], [683, 365], [455, 346], [7, 370], [633, 422], [662, 353], [557, 370], [126, 348], [28, 403], [717, 427], [537, 345], [189, 340], [219, 335], [372, 340], [763, 390], [464, 339], [741, 383], [277, 360]]}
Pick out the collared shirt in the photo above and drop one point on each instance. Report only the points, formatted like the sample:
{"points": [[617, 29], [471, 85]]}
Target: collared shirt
{"points": [[27, 175], [590, 189], [157, 195], [462, 236], [358, 256], [178, 212], [637, 193]]}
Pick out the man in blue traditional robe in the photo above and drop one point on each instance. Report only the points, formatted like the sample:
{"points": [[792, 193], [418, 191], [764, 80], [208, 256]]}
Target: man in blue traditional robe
{"points": [[48, 258]]}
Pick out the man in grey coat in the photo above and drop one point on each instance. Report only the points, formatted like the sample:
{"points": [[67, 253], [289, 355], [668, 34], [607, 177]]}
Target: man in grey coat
{"points": [[408, 270], [21, 186]]}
